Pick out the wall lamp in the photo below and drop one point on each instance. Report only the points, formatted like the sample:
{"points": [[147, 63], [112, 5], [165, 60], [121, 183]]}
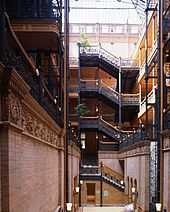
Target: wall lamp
{"points": [[69, 206], [77, 189], [158, 206]]}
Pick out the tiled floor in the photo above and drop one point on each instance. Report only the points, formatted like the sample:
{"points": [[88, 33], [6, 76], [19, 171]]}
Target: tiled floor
{"points": [[102, 209]]}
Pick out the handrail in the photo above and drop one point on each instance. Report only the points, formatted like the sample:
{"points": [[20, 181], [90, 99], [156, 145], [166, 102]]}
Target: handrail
{"points": [[19, 44], [88, 80], [103, 83], [99, 118], [112, 171], [100, 51], [152, 92], [115, 128], [26, 55]]}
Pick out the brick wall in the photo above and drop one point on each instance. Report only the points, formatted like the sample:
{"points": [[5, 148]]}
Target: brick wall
{"points": [[73, 166], [34, 181], [137, 168], [32, 153], [166, 179]]}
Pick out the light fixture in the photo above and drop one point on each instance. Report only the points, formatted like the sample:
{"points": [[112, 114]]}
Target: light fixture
{"points": [[77, 189], [121, 182], [37, 72], [133, 189], [97, 136], [158, 206], [81, 182], [83, 144], [97, 109], [69, 206]]}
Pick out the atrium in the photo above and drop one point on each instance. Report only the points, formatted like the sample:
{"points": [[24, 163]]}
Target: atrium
{"points": [[84, 105]]}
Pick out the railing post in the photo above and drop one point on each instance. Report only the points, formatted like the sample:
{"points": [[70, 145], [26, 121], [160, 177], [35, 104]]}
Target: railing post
{"points": [[120, 112], [101, 185]]}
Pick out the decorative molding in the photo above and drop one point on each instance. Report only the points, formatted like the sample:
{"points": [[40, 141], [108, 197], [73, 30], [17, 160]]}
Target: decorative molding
{"points": [[36, 127], [138, 151], [15, 109], [21, 110]]}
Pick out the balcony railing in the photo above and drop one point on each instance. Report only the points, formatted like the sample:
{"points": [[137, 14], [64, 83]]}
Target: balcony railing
{"points": [[151, 100], [20, 60], [151, 54], [29, 9], [102, 88], [130, 99]]}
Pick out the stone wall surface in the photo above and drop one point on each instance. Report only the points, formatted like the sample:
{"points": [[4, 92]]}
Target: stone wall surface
{"points": [[166, 178], [137, 171], [73, 169], [34, 180], [32, 153]]}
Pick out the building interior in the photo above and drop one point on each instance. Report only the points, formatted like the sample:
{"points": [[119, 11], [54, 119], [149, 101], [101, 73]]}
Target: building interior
{"points": [[82, 127]]}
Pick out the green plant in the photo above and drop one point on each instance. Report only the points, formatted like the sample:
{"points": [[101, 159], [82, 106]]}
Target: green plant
{"points": [[82, 109], [84, 40]]}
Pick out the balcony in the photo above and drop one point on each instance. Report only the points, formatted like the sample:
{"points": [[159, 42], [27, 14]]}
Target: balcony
{"points": [[99, 86], [17, 58], [38, 21], [166, 24], [151, 101], [151, 54], [33, 9]]}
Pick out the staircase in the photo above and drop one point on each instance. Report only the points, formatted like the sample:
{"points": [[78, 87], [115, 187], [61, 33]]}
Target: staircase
{"points": [[103, 126], [98, 56], [98, 173], [124, 138], [98, 86]]}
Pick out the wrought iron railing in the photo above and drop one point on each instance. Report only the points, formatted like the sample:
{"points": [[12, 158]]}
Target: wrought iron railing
{"points": [[28, 9], [19, 59], [102, 88], [151, 100], [151, 54], [98, 172], [125, 138], [106, 55]]}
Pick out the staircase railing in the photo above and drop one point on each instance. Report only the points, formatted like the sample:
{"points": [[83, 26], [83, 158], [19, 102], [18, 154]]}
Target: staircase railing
{"points": [[107, 128], [110, 172], [109, 57], [101, 87], [99, 172], [124, 137]]}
